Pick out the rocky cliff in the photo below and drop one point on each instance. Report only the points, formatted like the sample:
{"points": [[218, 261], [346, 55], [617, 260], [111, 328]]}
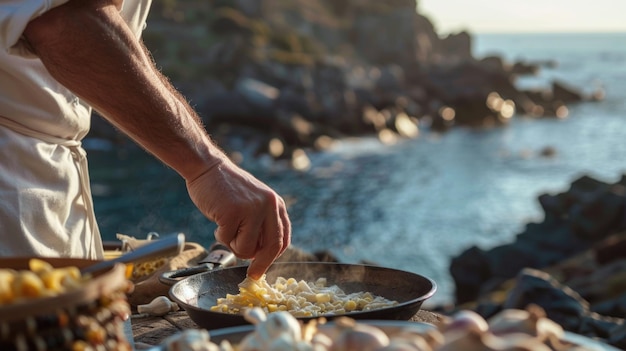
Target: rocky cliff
{"points": [[296, 74]]}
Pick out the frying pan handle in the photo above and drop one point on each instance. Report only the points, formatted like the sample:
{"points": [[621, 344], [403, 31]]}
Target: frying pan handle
{"points": [[218, 256], [171, 277]]}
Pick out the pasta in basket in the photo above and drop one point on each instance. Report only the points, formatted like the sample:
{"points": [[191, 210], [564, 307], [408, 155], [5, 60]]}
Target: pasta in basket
{"points": [[40, 280], [300, 298]]}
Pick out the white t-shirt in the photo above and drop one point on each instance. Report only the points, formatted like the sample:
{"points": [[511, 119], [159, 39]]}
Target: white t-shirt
{"points": [[45, 200]]}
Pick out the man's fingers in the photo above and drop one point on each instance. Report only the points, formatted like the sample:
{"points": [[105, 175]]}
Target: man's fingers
{"points": [[246, 240], [222, 234], [239, 239], [262, 237], [270, 247], [286, 230], [263, 260]]}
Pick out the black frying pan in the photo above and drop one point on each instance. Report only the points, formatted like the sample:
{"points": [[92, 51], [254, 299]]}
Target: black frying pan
{"points": [[197, 293]]}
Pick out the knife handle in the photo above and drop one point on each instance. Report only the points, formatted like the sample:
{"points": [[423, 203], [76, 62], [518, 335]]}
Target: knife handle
{"points": [[220, 255]]}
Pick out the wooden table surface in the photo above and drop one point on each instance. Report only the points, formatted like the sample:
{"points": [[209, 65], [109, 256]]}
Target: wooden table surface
{"points": [[151, 331]]}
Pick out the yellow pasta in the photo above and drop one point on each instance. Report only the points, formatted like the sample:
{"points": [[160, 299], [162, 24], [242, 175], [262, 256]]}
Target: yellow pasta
{"points": [[300, 298], [40, 280], [6, 286], [144, 269]]}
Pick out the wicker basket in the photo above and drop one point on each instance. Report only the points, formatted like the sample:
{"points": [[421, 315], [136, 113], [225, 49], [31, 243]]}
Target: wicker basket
{"points": [[89, 318]]}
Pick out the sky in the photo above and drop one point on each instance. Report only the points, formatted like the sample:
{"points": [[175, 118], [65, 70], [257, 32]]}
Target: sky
{"points": [[509, 16]]}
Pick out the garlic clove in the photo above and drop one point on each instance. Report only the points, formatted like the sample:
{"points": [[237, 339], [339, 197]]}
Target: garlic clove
{"points": [[251, 342], [309, 329], [514, 341], [279, 323], [159, 306], [513, 321], [466, 319], [274, 324], [434, 338], [285, 342], [304, 346], [272, 331], [469, 341], [531, 321], [225, 345], [321, 342], [400, 344], [551, 333], [429, 339], [255, 315], [190, 340], [463, 322], [360, 337]]}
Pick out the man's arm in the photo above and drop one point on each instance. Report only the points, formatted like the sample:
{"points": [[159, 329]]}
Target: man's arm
{"points": [[87, 47]]}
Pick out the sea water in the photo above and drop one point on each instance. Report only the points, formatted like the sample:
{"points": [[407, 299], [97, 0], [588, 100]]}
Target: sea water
{"points": [[416, 204]]}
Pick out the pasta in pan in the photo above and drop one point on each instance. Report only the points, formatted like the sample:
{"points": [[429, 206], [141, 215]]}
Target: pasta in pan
{"points": [[300, 298]]}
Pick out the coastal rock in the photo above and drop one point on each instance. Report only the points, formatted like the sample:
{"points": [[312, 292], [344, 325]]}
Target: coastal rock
{"points": [[587, 214], [257, 93], [599, 214], [562, 92], [376, 40], [584, 292], [563, 305], [247, 64], [471, 266], [523, 68], [456, 47], [611, 250]]}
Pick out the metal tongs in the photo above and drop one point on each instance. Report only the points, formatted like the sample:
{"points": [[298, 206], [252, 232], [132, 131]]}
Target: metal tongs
{"points": [[219, 256]]}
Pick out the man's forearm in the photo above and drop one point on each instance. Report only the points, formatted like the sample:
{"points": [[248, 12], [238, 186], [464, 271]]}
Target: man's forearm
{"points": [[88, 48]]}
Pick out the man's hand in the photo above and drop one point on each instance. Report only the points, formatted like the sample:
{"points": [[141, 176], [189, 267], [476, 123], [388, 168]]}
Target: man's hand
{"points": [[252, 219]]}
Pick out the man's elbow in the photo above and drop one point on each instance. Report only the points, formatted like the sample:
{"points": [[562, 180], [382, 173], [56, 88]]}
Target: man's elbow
{"points": [[58, 24], [47, 28]]}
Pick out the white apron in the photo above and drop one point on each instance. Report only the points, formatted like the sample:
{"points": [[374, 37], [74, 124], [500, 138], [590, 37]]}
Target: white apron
{"points": [[46, 207]]}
